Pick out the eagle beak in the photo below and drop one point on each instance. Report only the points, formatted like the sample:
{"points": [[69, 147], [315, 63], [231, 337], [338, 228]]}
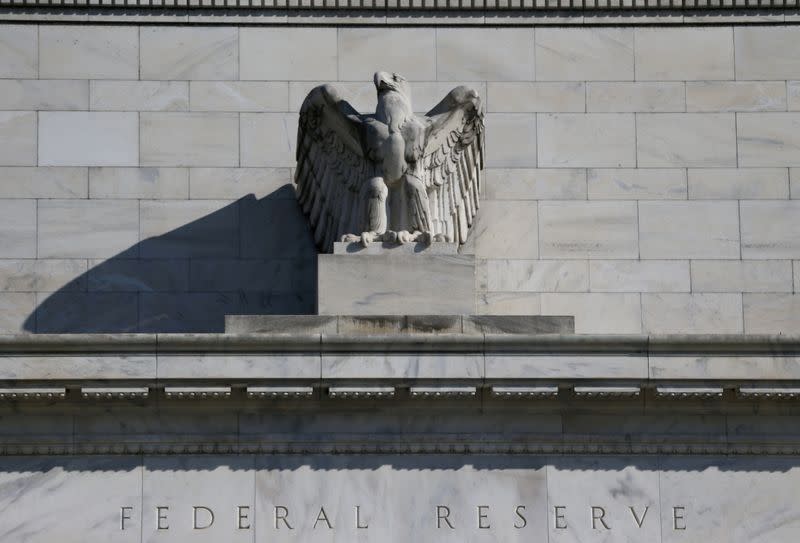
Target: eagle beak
{"points": [[380, 81]]}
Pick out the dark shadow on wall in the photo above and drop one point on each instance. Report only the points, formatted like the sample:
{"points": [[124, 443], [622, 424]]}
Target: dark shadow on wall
{"points": [[251, 257], [586, 465]]}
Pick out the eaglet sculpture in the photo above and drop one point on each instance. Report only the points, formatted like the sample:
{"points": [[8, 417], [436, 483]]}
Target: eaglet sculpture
{"points": [[392, 176]]}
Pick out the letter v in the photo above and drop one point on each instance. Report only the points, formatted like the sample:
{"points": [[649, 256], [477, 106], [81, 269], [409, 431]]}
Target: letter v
{"points": [[636, 517]]}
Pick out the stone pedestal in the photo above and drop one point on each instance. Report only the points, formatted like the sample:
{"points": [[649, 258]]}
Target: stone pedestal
{"points": [[385, 279]]}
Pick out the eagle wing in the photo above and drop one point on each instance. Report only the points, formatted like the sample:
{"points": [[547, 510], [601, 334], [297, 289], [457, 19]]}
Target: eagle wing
{"points": [[331, 166], [452, 162]]}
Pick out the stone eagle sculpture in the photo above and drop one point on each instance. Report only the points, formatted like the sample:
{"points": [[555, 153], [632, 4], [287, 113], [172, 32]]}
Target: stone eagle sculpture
{"points": [[392, 176]]}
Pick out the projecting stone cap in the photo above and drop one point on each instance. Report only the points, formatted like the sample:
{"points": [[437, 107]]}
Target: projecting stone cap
{"points": [[396, 249], [399, 324]]}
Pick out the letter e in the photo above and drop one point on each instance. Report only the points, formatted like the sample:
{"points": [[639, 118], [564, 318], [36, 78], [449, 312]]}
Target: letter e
{"points": [[242, 514], [483, 515], [677, 515], [560, 520], [160, 517]]}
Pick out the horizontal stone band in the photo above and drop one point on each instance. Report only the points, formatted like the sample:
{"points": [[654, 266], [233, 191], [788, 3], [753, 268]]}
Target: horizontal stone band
{"points": [[448, 360], [479, 388], [22, 393], [606, 12], [264, 343], [401, 5]]}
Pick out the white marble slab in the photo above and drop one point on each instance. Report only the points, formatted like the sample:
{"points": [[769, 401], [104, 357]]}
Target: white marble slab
{"points": [[352, 284], [70, 499], [80, 138], [729, 499], [526, 366], [393, 498], [44, 367], [402, 366], [724, 367], [274, 366]]}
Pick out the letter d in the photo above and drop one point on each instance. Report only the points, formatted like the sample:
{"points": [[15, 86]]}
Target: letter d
{"points": [[194, 517]]}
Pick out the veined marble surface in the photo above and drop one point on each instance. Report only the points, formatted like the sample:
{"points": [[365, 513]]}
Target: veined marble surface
{"points": [[366, 498], [389, 284]]}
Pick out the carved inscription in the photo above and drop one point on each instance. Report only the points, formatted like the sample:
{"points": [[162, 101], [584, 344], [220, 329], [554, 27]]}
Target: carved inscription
{"points": [[443, 518]]}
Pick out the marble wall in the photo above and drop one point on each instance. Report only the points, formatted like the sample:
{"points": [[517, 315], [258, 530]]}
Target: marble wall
{"points": [[643, 179], [399, 498]]}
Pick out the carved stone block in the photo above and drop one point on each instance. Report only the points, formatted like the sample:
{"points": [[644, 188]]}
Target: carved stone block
{"points": [[390, 281]]}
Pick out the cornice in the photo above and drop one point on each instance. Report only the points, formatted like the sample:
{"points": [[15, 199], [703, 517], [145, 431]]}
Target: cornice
{"points": [[491, 13], [518, 376], [419, 367], [407, 342], [398, 6], [57, 344], [438, 445]]}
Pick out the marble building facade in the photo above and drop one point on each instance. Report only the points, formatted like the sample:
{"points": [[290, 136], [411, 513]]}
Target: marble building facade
{"points": [[639, 178], [620, 364]]}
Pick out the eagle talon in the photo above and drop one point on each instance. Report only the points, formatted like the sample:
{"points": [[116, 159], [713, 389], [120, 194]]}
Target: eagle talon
{"points": [[368, 237], [390, 236], [404, 236]]}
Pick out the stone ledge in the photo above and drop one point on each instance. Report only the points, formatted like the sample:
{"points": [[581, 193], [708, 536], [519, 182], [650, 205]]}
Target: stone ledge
{"points": [[390, 7], [769, 365], [277, 343], [361, 353], [563, 446]]}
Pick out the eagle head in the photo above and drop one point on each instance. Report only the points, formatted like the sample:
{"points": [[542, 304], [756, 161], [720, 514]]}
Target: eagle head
{"points": [[385, 81]]}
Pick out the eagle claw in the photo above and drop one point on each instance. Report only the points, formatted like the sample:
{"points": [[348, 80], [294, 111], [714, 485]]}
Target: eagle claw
{"points": [[368, 237], [404, 236], [390, 236]]}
